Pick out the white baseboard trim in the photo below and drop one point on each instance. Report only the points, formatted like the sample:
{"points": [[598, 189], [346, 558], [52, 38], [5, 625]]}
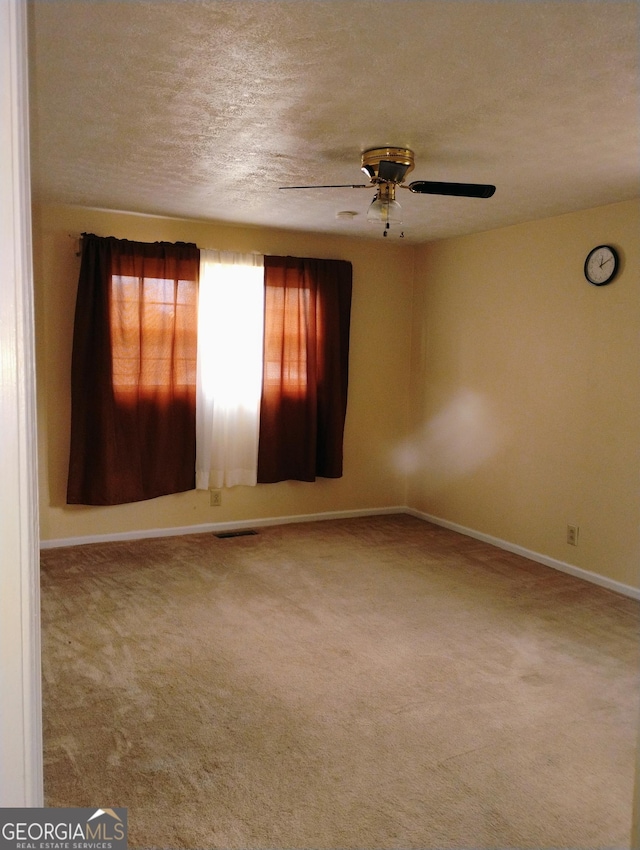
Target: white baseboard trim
{"points": [[555, 564], [238, 525], [215, 527]]}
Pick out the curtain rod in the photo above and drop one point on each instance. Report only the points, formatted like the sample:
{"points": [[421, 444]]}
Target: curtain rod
{"points": [[77, 237]]}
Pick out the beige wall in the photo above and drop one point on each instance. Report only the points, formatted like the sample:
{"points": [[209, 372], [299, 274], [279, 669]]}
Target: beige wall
{"points": [[525, 389], [508, 404], [378, 384]]}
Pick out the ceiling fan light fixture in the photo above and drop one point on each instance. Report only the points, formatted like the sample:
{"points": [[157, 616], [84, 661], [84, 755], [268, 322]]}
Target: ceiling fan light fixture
{"points": [[384, 212], [384, 208]]}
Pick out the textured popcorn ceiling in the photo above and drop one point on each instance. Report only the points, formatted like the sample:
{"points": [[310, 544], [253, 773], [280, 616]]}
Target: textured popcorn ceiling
{"points": [[203, 109]]}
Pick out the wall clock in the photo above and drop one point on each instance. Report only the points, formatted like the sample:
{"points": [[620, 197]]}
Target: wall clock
{"points": [[601, 265]]}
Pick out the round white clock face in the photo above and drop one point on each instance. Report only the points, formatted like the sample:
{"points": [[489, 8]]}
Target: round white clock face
{"points": [[601, 265]]}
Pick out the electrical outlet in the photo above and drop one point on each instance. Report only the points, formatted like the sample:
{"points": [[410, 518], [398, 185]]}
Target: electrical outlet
{"points": [[572, 535], [215, 498]]}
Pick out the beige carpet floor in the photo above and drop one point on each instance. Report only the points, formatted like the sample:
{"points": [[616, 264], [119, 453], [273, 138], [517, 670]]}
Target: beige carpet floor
{"points": [[366, 683]]}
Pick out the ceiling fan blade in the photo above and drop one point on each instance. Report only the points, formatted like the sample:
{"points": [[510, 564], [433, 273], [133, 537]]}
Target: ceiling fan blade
{"points": [[462, 190], [332, 186]]}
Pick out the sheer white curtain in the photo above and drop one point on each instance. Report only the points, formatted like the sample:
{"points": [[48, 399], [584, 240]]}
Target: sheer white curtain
{"points": [[229, 371]]}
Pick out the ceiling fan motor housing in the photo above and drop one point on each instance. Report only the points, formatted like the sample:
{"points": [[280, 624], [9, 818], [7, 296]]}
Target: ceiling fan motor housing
{"points": [[382, 165]]}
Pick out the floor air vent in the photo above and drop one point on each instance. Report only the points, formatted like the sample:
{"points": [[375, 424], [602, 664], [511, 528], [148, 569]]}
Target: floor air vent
{"points": [[247, 532]]}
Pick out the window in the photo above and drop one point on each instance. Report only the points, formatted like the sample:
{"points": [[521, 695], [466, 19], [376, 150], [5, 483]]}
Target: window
{"points": [[246, 385], [149, 317]]}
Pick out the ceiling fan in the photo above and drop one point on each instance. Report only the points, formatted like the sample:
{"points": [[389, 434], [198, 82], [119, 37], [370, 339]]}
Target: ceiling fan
{"points": [[386, 169]]}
